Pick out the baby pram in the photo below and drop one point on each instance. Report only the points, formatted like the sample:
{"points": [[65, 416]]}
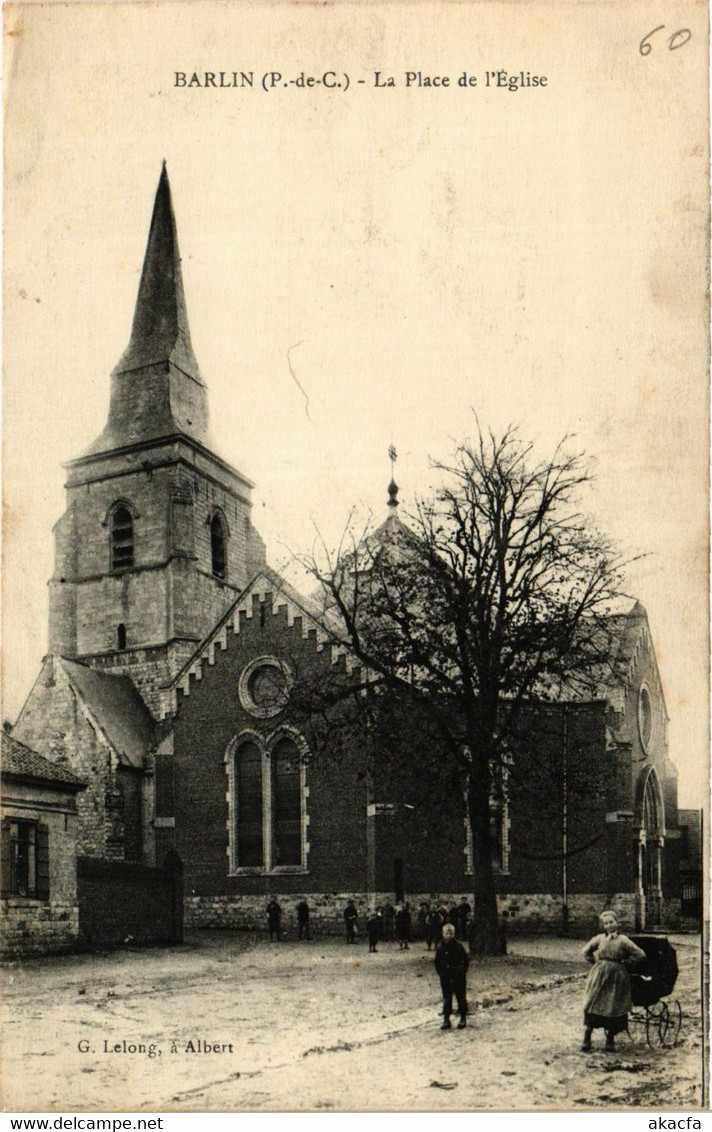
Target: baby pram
{"points": [[651, 982]]}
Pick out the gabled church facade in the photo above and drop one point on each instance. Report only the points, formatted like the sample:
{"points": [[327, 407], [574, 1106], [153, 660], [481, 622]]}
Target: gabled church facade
{"points": [[166, 688]]}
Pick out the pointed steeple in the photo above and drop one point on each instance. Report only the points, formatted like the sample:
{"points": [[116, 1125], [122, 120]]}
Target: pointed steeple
{"points": [[160, 330], [156, 389]]}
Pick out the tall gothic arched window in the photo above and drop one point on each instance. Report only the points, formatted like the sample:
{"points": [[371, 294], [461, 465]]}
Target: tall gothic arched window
{"points": [[267, 797], [217, 547], [248, 790], [286, 809], [122, 538]]}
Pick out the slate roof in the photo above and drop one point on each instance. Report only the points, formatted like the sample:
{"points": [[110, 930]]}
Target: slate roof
{"points": [[22, 761], [160, 328], [117, 708]]}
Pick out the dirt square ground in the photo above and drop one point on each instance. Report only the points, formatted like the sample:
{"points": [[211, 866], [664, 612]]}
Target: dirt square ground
{"points": [[230, 1022]]}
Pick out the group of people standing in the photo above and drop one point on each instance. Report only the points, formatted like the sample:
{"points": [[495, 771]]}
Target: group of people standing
{"points": [[433, 919], [274, 919], [608, 991], [384, 923]]}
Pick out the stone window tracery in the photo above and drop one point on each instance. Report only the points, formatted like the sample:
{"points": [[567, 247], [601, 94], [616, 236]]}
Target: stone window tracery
{"points": [[267, 796]]}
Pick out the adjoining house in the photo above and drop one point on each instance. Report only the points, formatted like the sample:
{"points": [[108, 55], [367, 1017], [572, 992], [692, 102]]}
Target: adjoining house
{"points": [[166, 687], [38, 828]]}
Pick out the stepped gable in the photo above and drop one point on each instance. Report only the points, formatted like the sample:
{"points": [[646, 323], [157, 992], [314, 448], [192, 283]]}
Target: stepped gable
{"points": [[266, 584]]}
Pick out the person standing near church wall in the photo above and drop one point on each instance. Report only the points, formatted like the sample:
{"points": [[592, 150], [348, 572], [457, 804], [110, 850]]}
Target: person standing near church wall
{"points": [[274, 919]]}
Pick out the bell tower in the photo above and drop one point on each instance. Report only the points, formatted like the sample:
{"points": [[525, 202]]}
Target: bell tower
{"points": [[157, 539]]}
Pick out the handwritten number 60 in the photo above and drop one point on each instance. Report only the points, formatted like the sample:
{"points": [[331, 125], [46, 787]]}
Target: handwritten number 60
{"points": [[678, 39]]}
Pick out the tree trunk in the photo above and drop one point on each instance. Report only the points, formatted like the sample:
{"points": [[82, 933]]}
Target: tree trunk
{"points": [[487, 936]]}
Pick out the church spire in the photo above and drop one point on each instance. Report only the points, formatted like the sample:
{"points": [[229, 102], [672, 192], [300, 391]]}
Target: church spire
{"points": [[156, 389], [160, 326]]}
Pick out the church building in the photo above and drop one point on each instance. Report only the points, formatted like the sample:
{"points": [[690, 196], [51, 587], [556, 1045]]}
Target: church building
{"points": [[166, 691]]}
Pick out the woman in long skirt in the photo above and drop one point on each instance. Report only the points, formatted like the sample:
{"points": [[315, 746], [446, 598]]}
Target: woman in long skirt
{"points": [[608, 998]]}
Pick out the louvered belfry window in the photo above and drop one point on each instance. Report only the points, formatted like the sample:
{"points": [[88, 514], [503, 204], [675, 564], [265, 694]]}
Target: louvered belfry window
{"points": [[122, 539]]}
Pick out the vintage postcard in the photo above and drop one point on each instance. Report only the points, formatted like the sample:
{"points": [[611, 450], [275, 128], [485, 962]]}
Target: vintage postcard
{"points": [[355, 559]]}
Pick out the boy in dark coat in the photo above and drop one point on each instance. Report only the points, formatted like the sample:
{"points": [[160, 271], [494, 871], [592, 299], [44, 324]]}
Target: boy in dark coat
{"points": [[463, 921], [373, 926], [274, 919], [433, 928], [303, 919], [451, 962], [350, 917], [403, 926]]}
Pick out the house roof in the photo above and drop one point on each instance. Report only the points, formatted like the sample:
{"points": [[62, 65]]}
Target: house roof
{"points": [[117, 708], [21, 761]]}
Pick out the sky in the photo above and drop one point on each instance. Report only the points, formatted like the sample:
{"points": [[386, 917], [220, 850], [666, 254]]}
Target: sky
{"points": [[367, 265]]}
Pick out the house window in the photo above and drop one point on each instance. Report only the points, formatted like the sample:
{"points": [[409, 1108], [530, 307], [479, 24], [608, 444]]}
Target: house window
{"points": [[122, 539], [267, 798], [217, 547], [25, 864]]}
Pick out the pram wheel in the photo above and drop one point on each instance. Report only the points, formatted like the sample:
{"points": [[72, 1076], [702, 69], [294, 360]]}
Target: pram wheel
{"points": [[657, 1024]]}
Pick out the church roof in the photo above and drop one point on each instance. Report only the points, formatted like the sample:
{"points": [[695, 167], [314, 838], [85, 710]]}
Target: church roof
{"points": [[22, 762], [116, 708], [160, 330]]}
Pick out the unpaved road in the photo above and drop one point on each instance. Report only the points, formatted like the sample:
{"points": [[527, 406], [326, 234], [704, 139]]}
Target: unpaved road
{"points": [[323, 1026]]}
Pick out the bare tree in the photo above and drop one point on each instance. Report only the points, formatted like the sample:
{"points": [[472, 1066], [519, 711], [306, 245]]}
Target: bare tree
{"points": [[497, 594]]}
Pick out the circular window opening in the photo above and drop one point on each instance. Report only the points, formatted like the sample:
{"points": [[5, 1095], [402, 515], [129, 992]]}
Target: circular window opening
{"points": [[264, 687], [645, 717]]}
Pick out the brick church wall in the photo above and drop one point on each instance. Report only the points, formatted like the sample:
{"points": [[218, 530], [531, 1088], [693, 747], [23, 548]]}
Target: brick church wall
{"points": [[207, 720]]}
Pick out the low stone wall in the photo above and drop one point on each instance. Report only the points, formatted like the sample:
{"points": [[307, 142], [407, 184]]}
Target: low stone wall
{"points": [[37, 927], [526, 913], [529, 913], [326, 911]]}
